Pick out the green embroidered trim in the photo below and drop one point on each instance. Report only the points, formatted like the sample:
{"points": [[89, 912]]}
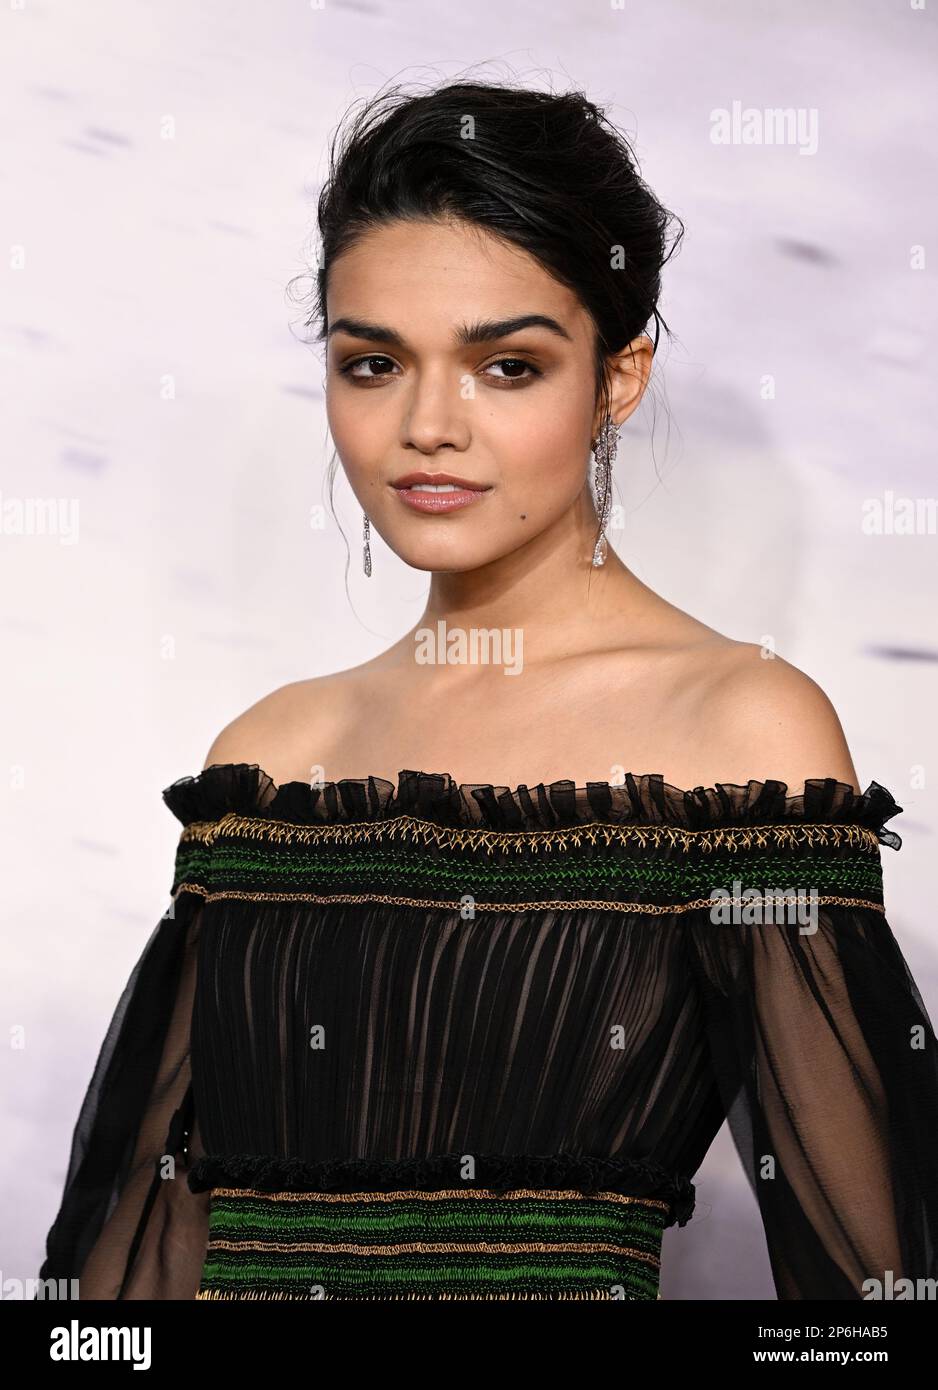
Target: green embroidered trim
{"points": [[618, 867], [459, 1243], [292, 871]]}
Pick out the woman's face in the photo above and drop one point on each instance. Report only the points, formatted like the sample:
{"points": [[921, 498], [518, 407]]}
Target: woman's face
{"points": [[426, 373]]}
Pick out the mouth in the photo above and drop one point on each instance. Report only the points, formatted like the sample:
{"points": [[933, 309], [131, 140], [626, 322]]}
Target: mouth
{"points": [[438, 492], [438, 481]]}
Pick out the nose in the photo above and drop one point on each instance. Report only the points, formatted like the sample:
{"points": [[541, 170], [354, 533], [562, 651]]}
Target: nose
{"points": [[435, 415]]}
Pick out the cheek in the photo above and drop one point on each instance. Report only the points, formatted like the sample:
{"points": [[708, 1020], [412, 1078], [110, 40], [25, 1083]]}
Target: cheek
{"points": [[542, 452], [361, 437]]}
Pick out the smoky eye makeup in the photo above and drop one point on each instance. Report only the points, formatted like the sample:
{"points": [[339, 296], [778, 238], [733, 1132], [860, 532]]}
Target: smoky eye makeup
{"points": [[521, 370], [376, 363], [509, 371]]}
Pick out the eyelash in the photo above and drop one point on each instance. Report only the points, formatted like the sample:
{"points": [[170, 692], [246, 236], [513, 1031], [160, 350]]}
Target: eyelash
{"points": [[509, 383]]}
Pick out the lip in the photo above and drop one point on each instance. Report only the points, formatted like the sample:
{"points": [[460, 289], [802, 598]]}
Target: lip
{"points": [[467, 495], [467, 483]]}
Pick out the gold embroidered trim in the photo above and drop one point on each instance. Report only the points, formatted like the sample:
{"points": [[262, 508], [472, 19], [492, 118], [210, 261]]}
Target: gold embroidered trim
{"points": [[482, 1247], [464, 1193], [265, 1293], [479, 1247], [576, 904], [426, 832]]}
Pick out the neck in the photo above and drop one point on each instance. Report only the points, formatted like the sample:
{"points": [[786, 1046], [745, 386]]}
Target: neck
{"points": [[548, 590]]}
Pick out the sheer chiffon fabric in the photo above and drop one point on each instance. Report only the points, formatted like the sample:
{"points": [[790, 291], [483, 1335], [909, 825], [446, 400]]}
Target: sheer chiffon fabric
{"points": [[125, 1229], [490, 1034]]}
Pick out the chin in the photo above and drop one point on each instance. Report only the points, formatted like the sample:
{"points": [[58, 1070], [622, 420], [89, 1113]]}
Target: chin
{"points": [[447, 555], [445, 563]]}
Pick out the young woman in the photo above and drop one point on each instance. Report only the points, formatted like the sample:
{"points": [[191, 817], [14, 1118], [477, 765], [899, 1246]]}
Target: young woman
{"points": [[455, 993]]}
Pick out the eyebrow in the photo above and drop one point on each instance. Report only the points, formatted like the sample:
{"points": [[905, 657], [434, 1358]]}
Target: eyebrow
{"points": [[483, 331]]}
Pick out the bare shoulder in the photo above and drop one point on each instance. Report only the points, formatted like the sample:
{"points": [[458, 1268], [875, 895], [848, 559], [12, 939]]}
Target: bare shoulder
{"points": [[278, 731], [768, 719]]}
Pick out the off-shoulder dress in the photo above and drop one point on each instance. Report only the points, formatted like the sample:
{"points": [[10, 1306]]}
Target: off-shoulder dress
{"points": [[435, 1040]]}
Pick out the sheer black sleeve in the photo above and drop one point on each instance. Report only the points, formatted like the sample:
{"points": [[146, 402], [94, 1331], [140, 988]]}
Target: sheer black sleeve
{"points": [[827, 1066], [128, 1227]]}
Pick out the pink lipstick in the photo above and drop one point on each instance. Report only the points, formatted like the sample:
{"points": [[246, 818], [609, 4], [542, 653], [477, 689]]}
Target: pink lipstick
{"points": [[438, 492]]}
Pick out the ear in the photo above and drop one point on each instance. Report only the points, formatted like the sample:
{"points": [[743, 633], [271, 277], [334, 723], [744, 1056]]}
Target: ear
{"points": [[629, 371]]}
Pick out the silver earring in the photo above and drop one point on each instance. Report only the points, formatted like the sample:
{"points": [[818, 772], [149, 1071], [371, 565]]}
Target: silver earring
{"points": [[366, 553], [604, 453]]}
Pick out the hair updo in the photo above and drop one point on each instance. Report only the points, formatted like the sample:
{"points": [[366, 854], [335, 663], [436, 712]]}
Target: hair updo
{"points": [[548, 173]]}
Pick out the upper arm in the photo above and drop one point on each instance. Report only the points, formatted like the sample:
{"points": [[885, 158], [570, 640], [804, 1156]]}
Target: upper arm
{"points": [[773, 721]]}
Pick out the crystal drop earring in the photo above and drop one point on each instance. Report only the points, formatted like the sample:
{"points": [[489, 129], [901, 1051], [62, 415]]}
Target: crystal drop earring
{"points": [[366, 553], [604, 453]]}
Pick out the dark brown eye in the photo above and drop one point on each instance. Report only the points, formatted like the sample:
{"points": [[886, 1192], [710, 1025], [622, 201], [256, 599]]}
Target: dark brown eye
{"points": [[513, 368], [382, 363]]}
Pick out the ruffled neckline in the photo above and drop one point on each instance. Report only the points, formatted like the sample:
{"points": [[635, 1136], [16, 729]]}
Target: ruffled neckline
{"points": [[246, 789]]}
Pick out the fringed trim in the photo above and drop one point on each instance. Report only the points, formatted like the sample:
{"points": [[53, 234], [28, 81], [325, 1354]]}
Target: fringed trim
{"points": [[640, 1178], [644, 800]]}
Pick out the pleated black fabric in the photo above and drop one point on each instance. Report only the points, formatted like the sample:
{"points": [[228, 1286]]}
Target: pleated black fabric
{"points": [[341, 1045]]}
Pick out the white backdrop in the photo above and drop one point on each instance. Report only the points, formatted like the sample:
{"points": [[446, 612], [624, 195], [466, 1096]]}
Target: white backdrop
{"points": [[159, 171]]}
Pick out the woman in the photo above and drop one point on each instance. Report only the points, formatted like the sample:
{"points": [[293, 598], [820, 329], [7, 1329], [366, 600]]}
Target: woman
{"points": [[470, 1033]]}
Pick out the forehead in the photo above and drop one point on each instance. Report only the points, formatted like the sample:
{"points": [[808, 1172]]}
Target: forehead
{"points": [[444, 272]]}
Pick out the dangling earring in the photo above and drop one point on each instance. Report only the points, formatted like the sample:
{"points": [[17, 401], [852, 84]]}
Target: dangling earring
{"points": [[366, 553], [604, 453]]}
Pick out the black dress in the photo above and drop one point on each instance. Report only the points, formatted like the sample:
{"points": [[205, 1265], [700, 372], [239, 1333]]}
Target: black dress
{"points": [[447, 1041]]}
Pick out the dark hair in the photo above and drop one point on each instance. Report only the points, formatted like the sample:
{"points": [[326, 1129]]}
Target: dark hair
{"points": [[547, 172]]}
